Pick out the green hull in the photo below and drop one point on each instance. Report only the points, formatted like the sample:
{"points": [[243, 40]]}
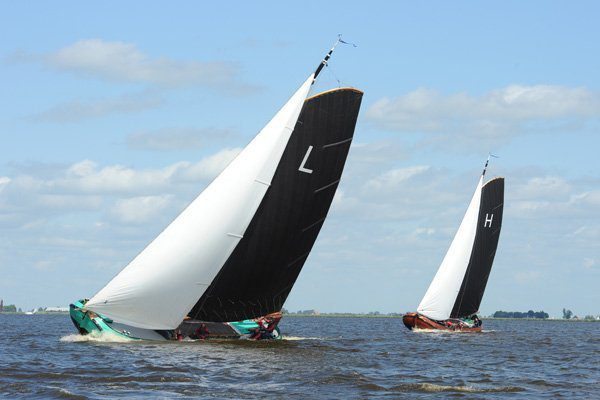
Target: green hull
{"points": [[88, 322]]}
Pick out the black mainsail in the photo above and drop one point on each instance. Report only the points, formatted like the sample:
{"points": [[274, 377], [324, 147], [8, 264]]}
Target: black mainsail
{"points": [[258, 276], [457, 288], [489, 224], [236, 249]]}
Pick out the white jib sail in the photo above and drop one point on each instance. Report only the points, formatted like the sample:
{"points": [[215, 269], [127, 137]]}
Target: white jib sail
{"points": [[443, 290], [161, 285]]}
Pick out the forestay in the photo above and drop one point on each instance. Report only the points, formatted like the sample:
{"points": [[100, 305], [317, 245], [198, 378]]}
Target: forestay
{"points": [[443, 290], [160, 286]]}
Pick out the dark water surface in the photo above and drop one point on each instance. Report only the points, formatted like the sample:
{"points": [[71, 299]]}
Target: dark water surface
{"points": [[322, 358]]}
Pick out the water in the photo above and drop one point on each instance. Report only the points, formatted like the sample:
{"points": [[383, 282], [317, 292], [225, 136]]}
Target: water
{"points": [[40, 356]]}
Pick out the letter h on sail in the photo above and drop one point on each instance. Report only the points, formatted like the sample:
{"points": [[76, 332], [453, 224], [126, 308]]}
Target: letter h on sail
{"points": [[488, 219]]}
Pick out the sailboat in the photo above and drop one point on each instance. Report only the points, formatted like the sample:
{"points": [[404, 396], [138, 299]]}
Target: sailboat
{"points": [[225, 266], [454, 295]]}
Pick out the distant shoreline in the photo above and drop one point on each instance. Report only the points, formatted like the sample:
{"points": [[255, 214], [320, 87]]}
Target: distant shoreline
{"points": [[346, 315], [35, 313]]}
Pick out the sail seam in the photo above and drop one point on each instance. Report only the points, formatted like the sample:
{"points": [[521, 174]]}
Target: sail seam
{"points": [[337, 143], [313, 224], [298, 259], [235, 235], [326, 186], [263, 182]]}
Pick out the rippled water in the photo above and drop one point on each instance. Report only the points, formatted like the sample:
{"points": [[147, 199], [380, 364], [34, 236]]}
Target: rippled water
{"points": [[322, 357]]}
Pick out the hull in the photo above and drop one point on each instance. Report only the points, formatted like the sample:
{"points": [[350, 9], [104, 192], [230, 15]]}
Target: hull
{"points": [[418, 321], [88, 322]]}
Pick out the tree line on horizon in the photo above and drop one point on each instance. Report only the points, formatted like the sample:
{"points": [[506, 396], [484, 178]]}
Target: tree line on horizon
{"points": [[10, 308], [518, 314]]}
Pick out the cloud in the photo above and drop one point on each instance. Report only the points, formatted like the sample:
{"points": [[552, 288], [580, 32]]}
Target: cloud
{"points": [[77, 110], [589, 263], [4, 180], [87, 177], [527, 277], [208, 167], [549, 196], [391, 179], [112, 190], [124, 62], [142, 208], [489, 119], [167, 139]]}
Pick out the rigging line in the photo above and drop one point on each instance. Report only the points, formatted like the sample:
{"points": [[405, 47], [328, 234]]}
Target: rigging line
{"points": [[328, 55], [344, 42], [332, 72]]}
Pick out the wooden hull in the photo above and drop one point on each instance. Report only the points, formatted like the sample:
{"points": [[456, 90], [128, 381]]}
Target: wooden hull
{"points": [[418, 321]]}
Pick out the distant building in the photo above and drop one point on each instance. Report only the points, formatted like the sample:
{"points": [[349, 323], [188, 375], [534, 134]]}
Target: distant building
{"points": [[57, 309], [1, 305]]}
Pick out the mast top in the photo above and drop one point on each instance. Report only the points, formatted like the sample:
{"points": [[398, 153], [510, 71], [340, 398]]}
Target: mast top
{"points": [[328, 55], [487, 162]]}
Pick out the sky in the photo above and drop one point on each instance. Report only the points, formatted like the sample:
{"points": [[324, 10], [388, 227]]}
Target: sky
{"points": [[115, 116]]}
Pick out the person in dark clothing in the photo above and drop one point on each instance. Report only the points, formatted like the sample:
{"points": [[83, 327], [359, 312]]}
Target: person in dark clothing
{"points": [[201, 332]]}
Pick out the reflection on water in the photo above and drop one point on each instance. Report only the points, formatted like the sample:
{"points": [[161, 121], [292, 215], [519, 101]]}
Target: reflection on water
{"points": [[41, 356]]}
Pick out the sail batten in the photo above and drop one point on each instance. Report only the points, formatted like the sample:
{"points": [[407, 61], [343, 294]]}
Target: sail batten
{"points": [[160, 286]]}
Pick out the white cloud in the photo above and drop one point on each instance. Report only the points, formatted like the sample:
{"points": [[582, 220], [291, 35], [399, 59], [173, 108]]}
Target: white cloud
{"points": [[86, 187], [208, 167], [547, 187], [487, 120], [124, 62], [424, 231], [526, 277], [4, 181], [78, 110], [427, 110], [589, 263], [548, 196], [87, 177], [391, 180], [177, 138], [85, 184], [142, 208]]}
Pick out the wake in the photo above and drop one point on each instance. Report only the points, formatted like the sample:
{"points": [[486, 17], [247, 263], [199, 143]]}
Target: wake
{"points": [[298, 338], [97, 337]]}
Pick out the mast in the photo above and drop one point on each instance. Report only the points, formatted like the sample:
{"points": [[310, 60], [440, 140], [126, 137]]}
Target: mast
{"points": [[457, 288], [323, 63], [478, 271], [258, 276], [159, 287]]}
